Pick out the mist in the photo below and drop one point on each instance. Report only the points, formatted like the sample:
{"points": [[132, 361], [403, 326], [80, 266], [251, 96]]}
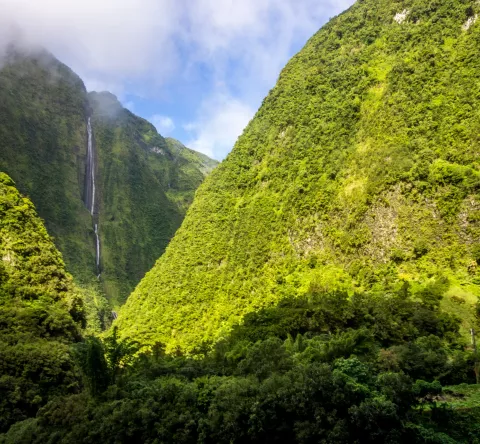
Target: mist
{"points": [[233, 51]]}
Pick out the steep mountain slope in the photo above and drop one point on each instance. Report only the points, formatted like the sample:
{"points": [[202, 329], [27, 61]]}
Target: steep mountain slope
{"points": [[360, 171], [37, 302], [142, 189], [43, 143]]}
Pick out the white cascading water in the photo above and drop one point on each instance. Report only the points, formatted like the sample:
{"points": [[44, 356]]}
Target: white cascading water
{"points": [[90, 190], [91, 163], [90, 197]]}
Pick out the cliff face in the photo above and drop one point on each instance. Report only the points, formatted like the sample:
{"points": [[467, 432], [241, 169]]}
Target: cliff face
{"points": [[359, 172], [142, 189], [43, 146]]}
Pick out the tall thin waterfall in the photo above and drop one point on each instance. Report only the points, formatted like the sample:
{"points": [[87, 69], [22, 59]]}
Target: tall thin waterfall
{"points": [[90, 176], [90, 191], [91, 161]]}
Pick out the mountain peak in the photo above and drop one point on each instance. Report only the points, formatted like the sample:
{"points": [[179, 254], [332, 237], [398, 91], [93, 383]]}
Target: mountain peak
{"points": [[105, 103]]}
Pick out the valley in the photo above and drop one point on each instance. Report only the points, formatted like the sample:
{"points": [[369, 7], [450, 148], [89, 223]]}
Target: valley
{"points": [[320, 284]]}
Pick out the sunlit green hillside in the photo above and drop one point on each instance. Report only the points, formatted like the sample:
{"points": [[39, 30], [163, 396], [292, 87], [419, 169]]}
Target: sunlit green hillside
{"points": [[41, 312], [360, 171]]}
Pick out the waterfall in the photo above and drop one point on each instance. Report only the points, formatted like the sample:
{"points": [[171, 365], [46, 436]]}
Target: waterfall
{"points": [[90, 174], [90, 191], [91, 161]]}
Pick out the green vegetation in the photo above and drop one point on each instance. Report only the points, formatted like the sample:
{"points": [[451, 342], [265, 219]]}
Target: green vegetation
{"points": [[40, 312], [327, 366], [360, 171], [191, 169], [145, 186], [322, 368], [144, 194], [463, 396], [324, 279], [43, 145]]}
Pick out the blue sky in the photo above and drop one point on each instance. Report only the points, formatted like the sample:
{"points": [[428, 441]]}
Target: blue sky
{"points": [[197, 69]]}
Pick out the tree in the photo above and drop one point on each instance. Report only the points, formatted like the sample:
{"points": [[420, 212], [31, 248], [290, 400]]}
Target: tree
{"points": [[118, 354], [90, 355]]}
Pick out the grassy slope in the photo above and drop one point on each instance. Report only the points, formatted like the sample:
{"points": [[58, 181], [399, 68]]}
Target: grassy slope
{"points": [[360, 170], [37, 302], [145, 188]]}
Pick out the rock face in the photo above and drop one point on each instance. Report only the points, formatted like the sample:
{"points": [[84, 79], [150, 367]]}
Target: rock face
{"points": [[360, 171], [110, 201]]}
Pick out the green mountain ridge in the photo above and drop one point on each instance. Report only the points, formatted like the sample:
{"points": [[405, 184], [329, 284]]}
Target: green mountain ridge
{"points": [[142, 195], [359, 172]]}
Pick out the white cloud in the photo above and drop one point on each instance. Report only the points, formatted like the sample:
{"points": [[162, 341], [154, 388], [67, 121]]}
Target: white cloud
{"points": [[129, 105], [221, 120], [189, 127], [164, 124], [232, 50], [256, 33], [112, 41], [120, 41], [93, 83]]}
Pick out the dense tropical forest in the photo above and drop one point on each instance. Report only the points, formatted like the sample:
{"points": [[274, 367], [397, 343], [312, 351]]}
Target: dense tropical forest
{"points": [[41, 312], [325, 367], [323, 287]]}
